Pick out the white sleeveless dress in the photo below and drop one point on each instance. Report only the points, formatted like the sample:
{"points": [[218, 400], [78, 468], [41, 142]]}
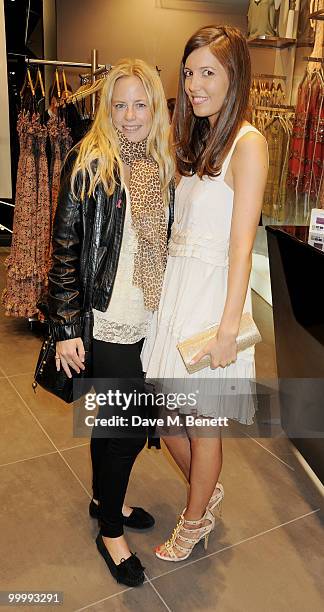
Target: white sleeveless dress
{"points": [[193, 298]]}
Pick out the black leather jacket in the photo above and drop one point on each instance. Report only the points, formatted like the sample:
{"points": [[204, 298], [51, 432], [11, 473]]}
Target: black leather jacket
{"points": [[87, 238]]}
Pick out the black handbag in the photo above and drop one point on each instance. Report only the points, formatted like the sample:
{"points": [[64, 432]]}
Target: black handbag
{"points": [[58, 383]]}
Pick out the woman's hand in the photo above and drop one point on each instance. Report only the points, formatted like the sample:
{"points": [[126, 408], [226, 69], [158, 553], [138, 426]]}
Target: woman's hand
{"points": [[70, 353], [222, 350]]}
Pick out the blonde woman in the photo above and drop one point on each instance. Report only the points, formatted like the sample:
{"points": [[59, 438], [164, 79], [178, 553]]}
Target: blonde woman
{"points": [[110, 238]]}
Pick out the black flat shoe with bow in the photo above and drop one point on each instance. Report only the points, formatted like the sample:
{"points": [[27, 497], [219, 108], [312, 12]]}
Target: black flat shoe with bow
{"points": [[138, 519], [129, 571]]}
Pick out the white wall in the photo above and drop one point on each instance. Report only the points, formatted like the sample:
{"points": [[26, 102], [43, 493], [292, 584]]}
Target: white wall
{"points": [[136, 28], [5, 164]]}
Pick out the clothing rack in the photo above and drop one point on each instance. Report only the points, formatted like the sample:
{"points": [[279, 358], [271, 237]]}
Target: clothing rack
{"points": [[100, 72], [276, 108], [269, 76], [30, 60], [7, 203], [94, 66], [3, 227], [318, 15], [313, 59]]}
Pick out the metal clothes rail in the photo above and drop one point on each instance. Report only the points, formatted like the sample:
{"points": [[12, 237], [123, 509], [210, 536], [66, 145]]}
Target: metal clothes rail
{"points": [[3, 227], [270, 76], [309, 58], [94, 66], [276, 108], [29, 60], [7, 203]]}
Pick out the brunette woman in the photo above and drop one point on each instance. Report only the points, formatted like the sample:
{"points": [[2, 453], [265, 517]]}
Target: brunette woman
{"points": [[223, 163], [110, 240]]}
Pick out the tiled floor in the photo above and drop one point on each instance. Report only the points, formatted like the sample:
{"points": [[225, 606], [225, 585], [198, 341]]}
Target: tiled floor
{"points": [[266, 554]]}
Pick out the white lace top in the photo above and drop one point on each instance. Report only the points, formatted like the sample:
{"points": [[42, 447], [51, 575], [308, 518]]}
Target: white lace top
{"points": [[126, 320]]}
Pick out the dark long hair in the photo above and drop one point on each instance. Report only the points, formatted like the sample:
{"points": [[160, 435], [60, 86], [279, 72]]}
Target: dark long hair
{"points": [[200, 148]]}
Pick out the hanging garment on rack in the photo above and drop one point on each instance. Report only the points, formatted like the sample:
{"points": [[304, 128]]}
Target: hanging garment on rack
{"points": [[74, 122], [282, 206], [43, 213], [61, 142], [307, 144], [314, 144], [55, 166], [42, 151], [262, 17], [305, 32], [278, 134], [276, 125], [297, 157], [267, 91], [277, 143], [27, 261]]}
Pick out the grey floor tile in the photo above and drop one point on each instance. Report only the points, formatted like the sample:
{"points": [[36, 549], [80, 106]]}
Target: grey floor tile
{"points": [[49, 543], [19, 348], [21, 437], [279, 571], [55, 415], [260, 493], [281, 446], [50, 537], [80, 461], [143, 599]]}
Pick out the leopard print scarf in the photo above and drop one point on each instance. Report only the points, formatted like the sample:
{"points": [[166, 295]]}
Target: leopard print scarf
{"points": [[148, 218]]}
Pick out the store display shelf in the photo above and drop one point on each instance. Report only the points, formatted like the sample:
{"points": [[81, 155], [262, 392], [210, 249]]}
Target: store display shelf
{"points": [[318, 15], [272, 42]]}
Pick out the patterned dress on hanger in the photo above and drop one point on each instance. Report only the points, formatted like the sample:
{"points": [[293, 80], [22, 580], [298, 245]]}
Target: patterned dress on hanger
{"points": [[24, 280], [61, 142], [43, 213]]}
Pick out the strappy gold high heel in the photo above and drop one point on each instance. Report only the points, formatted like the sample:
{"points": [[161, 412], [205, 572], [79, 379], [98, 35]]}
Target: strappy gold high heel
{"points": [[216, 499], [183, 533]]}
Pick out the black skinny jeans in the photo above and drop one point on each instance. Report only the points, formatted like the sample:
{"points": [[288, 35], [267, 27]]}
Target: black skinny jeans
{"points": [[113, 458]]}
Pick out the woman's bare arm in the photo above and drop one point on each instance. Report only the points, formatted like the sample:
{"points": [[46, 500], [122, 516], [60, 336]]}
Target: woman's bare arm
{"points": [[249, 173]]}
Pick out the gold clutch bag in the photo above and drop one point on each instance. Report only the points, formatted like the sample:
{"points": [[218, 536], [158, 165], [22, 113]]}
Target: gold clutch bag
{"points": [[248, 336]]}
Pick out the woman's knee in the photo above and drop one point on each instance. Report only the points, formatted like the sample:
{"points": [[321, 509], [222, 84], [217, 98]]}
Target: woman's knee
{"points": [[198, 434]]}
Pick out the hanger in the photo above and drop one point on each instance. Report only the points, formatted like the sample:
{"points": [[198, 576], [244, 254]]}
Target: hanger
{"points": [[57, 81], [27, 81], [28, 102], [39, 81], [65, 89], [85, 90]]}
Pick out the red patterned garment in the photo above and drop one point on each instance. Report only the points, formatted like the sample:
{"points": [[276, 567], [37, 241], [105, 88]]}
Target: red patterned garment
{"points": [[314, 145], [297, 146], [306, 149]]}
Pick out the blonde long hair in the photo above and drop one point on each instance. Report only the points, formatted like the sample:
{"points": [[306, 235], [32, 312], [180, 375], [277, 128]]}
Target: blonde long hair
{"points": [[101, 143]]}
